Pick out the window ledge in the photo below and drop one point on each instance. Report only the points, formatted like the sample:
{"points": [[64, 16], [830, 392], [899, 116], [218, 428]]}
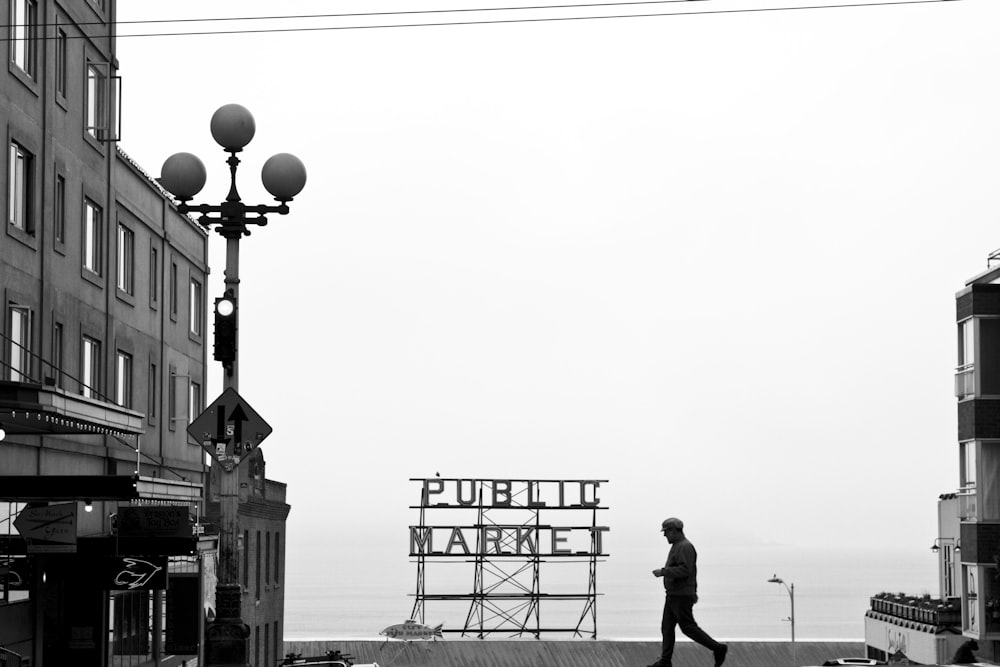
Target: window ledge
{"points": [[96, 143], [26, 238], [94, 278], [29, 82], [124, 296]]}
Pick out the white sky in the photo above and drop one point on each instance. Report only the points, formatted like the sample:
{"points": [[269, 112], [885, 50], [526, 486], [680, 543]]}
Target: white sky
{"points": [[709, 258]]}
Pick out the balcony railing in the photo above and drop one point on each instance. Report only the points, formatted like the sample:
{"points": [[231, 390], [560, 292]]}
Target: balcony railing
{"points": [[927, 610], [965, 381], [967, 507]]}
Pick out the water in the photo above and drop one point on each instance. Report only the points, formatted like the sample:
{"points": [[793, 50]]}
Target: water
{"points": [[350, 592]]}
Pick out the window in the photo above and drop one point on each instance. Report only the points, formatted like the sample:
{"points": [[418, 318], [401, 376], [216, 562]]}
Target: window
{"points": [[173, 290], [90, 378], [59, 210], [19, 334], [19, 172], [267, 559], [154, 276], [57, 354], [152, 393], [61, 61], [967, 480], [123, 379], [23, 29], [277, 557], [966, 343], [970, 619], [92, 234], [194, 401], [126, 258], [97, 101], [246, 560], [948, 561], [988, 482], [197, 307], [172, 400], [258, 565]]}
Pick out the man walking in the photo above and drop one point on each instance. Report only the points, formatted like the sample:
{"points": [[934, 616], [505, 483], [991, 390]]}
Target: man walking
{"points": [[680, 581]]}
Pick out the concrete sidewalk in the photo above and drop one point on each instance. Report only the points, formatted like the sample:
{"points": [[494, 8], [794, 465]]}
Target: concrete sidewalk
{"points": [[575, 653]]}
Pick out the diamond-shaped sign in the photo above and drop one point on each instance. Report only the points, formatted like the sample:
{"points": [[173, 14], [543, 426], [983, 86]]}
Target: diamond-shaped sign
{"points": [[229, 429]]}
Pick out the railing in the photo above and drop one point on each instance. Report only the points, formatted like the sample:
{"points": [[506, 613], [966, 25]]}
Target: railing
{"points": [[10, 659], [921, 610], [967, 507], [965, 381]]}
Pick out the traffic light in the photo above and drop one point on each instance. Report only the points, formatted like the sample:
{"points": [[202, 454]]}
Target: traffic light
{"points": [[225, 329]]}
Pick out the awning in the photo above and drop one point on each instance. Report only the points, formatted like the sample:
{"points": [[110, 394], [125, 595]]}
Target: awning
{"points": [[55, 488], [35, 409]]}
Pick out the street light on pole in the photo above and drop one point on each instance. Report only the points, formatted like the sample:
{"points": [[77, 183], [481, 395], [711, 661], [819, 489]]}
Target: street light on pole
{"points": [[184, 175], [791, 594]]}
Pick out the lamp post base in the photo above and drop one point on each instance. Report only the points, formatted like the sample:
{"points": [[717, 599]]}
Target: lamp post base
{"points": [[227, 638]]}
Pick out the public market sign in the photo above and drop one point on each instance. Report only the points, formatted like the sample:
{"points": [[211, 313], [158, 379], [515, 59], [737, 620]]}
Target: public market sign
{"points": [[568, 537]]}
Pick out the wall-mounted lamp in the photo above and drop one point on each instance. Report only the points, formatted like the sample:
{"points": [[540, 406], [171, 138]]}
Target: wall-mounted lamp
{"points": [[3, 433], [950, 540], [88, 506]]}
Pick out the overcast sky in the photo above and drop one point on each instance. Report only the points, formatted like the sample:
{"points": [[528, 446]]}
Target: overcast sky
{"points": [[709, 258]]}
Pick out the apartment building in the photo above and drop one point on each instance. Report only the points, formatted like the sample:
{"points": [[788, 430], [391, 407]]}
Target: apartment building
{"points": [[103, 362]]}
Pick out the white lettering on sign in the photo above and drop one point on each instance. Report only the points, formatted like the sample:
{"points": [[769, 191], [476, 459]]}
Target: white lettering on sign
{"points": [[506, 540], [526, 493]]}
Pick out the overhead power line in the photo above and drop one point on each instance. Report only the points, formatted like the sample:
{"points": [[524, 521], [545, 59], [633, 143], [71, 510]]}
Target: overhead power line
{"points": [[745, 10], [539, 20], [291, 17]]}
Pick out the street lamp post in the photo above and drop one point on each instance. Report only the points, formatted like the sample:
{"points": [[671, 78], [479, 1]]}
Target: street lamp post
{"points": [[791, 594], [184, 175]]}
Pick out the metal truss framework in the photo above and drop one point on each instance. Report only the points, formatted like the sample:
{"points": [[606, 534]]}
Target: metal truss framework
{"points": [[507, 595]]}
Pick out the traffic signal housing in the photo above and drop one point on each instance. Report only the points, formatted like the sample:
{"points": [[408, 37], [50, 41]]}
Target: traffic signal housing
{"points": [[225, 330]]}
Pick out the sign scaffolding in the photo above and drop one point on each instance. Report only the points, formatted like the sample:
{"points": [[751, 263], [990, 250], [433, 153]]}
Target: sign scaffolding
{"points": [[501, 532]]}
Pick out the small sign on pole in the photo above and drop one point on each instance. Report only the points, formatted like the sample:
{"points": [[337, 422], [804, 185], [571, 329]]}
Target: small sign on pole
{"points": [[229, 429]]}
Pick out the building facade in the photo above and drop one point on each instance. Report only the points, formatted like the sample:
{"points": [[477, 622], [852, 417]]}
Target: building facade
{"points": [[968, 541], [104, 357], [262, 515], [107, 554]]}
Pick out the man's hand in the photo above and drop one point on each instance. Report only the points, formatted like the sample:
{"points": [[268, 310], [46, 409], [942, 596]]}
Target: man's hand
{"points": [[658, 572]]}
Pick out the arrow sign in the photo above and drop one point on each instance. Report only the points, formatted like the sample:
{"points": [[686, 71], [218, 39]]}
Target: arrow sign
{"points": [[52, 523], [229, 429]]}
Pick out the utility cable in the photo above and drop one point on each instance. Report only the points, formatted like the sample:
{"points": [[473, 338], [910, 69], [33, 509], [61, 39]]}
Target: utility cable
{"points": [[544, 19], [358, 14], [499, 21]]}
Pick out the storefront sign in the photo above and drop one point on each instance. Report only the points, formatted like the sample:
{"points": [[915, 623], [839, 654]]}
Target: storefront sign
{"points": [[133, 573], [154, 521]]}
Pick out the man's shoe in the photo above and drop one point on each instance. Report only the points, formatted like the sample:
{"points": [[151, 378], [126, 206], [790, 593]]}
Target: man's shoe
{"points": [[720, 655]]}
